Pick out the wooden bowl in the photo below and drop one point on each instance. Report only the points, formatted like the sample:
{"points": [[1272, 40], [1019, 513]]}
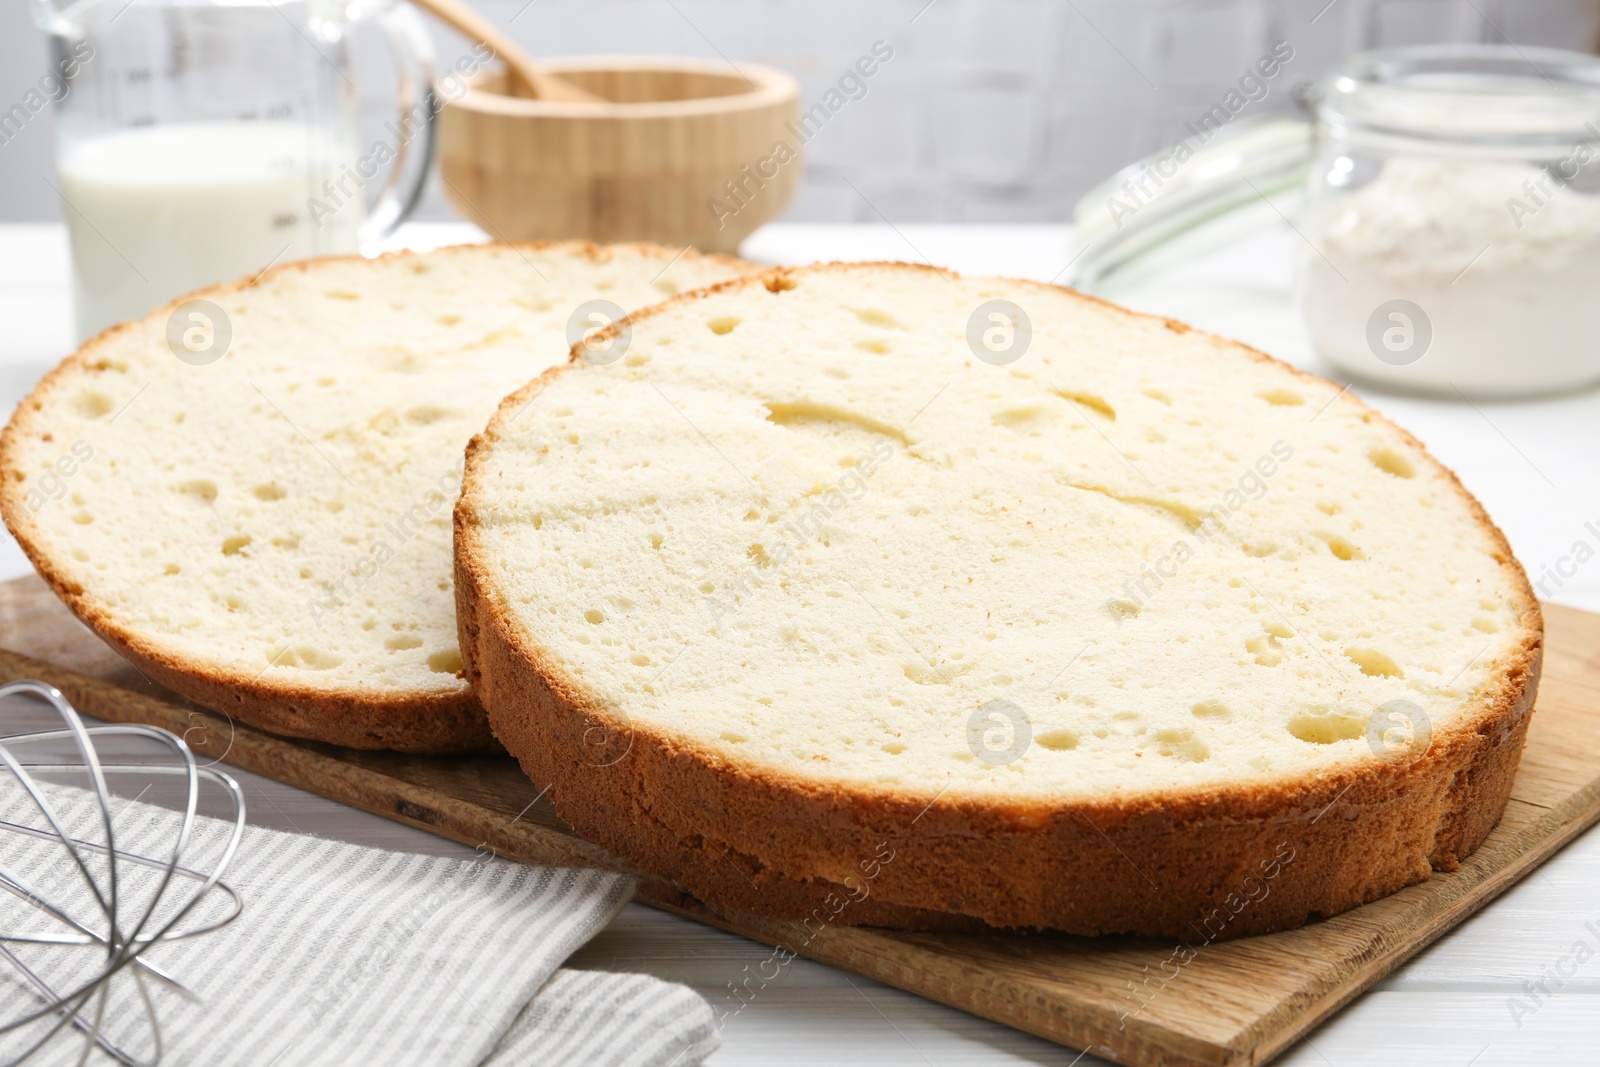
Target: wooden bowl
{"points": [[686, 152]]}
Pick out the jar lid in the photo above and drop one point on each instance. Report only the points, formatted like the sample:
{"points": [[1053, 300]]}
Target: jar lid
{"points": [[1479, 94]]}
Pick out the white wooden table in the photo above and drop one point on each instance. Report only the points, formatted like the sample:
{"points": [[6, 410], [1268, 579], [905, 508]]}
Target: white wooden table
{"points": [[1536, 467]]}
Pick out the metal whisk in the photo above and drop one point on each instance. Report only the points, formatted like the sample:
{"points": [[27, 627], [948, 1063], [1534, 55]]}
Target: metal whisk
{"points": [[119, 930]]}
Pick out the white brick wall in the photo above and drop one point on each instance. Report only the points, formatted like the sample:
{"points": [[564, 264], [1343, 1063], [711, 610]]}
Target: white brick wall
{"points": [[1007, 110], [990, 110]]}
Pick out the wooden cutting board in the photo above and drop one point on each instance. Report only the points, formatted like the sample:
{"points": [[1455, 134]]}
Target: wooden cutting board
{"points": [[1125, 999]]}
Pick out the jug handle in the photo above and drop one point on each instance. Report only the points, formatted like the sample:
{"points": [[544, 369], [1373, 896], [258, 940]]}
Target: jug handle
{"points": [[415, 130]]}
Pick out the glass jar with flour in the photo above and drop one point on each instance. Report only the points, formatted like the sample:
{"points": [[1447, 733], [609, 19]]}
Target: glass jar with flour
{"points": [[1452, 223], [202, 140]]}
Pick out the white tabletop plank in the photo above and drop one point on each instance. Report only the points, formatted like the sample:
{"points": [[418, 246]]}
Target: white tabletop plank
{"points": [[1465, 997]]}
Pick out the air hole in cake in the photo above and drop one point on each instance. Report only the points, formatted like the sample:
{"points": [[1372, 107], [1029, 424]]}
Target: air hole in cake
{"points": [[303, 657], [723, 324], [1343, 548], [639, 659], [269, 492], [734, 737], [804, 415], [1392, 461], [1373, 663], [94, 405], [401, 642], [196, 494], [1212, 709], [1181, 745], [446, 661], [1094, 403], [780, 283], [875, 346], [1123, 609], [82, 518], [1282, 397], [1325, 727], [877, 317], [1266, 649], [1017, 418], [1157, 395], [925, 674], [449, 320], [232, 546], [595, 616], [1057, 740]]}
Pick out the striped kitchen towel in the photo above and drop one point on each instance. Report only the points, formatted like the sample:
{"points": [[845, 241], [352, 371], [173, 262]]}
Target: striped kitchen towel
{"points": [[611, 1020], [341, 955]]}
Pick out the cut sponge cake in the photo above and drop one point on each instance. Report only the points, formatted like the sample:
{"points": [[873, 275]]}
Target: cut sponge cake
{"points": [[255, 510], [870, 593]]}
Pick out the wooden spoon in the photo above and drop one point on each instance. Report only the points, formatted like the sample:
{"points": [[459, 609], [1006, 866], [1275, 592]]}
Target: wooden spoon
{"points": [[526, 77]]}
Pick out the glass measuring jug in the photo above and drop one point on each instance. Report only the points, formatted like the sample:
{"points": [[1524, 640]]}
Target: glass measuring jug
{"points": [[199, 141]]}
